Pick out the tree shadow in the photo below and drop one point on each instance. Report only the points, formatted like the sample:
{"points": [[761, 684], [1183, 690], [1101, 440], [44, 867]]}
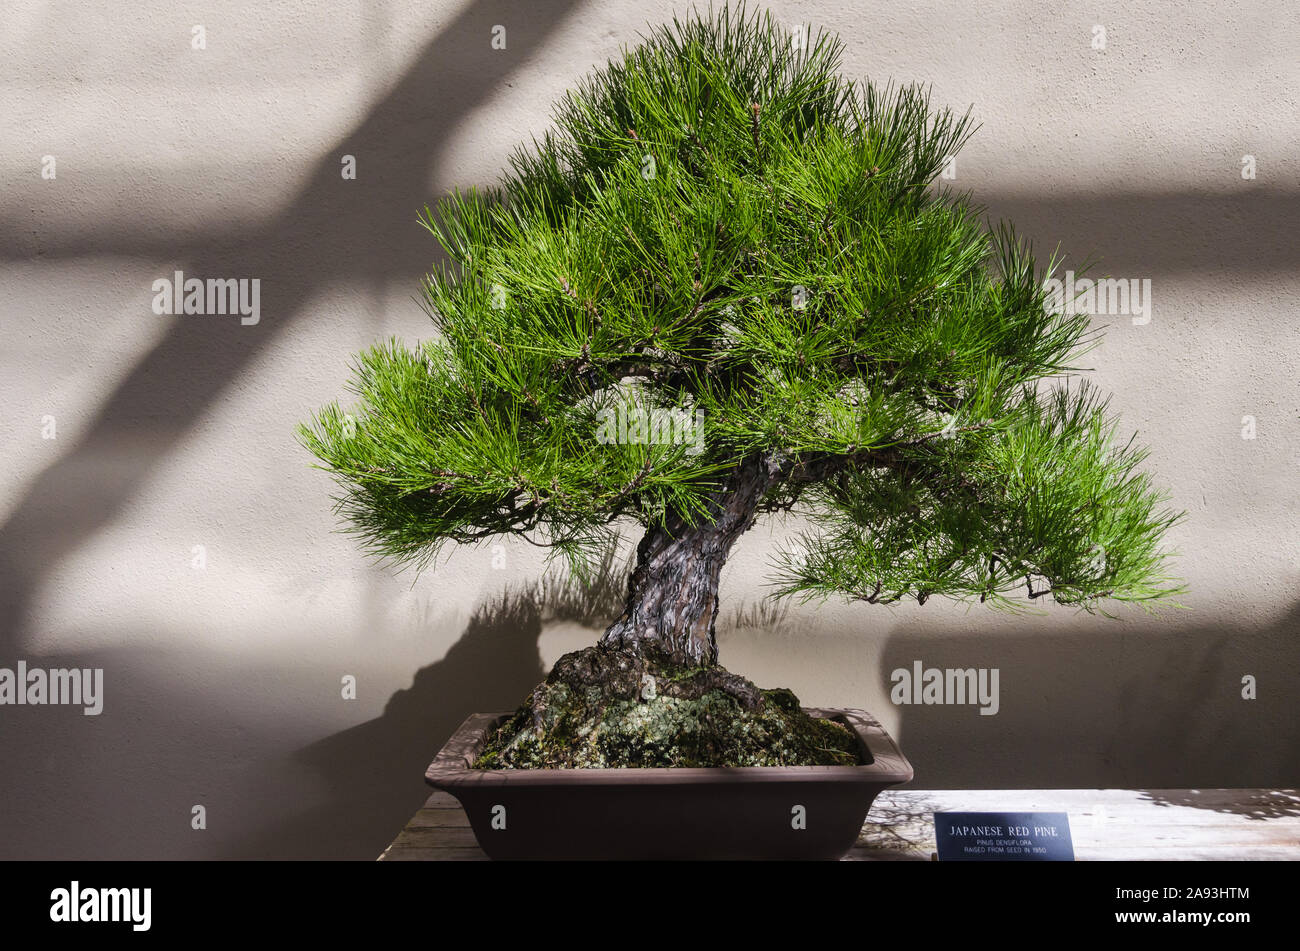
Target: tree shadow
{"points": [[899, 826], [1122, 705], [1162, 235], [362, 232], [373, 773], [1260, 804], [202, 726]]}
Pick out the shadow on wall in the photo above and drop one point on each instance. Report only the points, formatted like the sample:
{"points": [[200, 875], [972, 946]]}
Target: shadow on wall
{"points": [[1080, 702], [313, 243], [121, 785], [1074, 713], [1123, 704], [180, 729], [191, 728], [1136, 234], [372, 772], [184, 728]]}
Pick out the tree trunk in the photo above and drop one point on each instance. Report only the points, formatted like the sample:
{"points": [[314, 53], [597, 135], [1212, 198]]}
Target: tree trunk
{"points": [[672, 600]]}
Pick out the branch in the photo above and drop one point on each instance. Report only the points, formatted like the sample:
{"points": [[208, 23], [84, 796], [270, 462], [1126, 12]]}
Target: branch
{"points": [[634, 484]]}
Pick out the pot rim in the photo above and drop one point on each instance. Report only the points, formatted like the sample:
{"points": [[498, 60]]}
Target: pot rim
{"points": [[450, 769]]}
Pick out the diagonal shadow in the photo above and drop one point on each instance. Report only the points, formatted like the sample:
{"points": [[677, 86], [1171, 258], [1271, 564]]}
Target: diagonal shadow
{"points": [[358, 231], [373, 771], [243, 738], [1150, 233]]}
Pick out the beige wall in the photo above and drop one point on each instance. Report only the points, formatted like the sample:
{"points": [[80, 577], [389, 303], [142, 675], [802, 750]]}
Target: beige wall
{"points": [[223, 682]]}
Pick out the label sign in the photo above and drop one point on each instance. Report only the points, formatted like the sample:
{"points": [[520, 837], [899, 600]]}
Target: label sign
{"points": [[1003, 837]]}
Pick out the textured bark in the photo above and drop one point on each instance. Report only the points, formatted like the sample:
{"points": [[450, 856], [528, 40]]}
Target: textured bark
{"points": [[672, 603]]}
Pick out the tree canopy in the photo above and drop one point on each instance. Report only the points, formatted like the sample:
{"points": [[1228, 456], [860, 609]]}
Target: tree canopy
{"points": [[721, 227]]}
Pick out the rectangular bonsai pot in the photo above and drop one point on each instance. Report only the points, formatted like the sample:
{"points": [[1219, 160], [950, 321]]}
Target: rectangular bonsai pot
{"points": [[760, 812]]}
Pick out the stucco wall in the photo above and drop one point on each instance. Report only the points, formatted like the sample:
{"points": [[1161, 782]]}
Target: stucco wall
{"points": [[222, 679]]}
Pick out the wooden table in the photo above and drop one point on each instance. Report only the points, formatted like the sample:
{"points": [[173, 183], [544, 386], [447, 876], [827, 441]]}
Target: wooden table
{"points": [[1147, 824]]}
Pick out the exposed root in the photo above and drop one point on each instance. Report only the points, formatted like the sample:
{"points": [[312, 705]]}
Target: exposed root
{"points": [[608, 707]]}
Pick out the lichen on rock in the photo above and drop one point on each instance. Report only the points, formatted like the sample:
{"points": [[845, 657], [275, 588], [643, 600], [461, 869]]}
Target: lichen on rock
{"points": [[594, 711]]}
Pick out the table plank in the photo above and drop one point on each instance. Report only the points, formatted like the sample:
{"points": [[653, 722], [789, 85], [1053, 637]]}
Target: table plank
{"points": [[1105, 824]]}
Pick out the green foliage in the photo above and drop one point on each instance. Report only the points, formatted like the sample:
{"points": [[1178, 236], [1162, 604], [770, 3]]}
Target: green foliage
{"points": [[596, 710], [720, 222], [1041, 499]]}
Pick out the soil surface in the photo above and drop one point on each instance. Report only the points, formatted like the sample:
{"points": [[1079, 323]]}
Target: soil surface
{"points": [[604, 707]]}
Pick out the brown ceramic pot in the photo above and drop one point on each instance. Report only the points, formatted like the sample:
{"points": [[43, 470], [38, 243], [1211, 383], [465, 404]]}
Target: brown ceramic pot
{"points": [[761, 812]]}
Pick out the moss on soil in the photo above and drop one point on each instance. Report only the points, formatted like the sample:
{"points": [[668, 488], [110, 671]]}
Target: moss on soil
{"points": [[602, 708]]}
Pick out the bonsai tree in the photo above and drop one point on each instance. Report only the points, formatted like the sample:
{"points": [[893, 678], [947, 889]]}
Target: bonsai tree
{"points": [[726, 285]]}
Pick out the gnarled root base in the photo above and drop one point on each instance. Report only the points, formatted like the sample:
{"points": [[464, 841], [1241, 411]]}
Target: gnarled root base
{"points": [[604, 707]]}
